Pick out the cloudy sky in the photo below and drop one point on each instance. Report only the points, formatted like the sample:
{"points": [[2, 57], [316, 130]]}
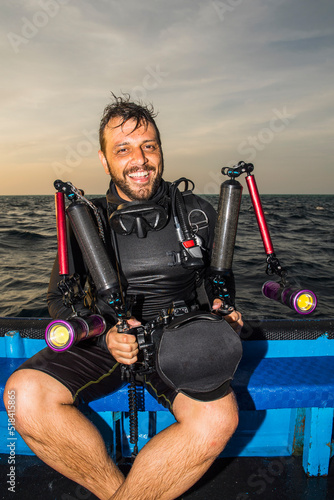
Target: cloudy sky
{"points": [[231, 80]]}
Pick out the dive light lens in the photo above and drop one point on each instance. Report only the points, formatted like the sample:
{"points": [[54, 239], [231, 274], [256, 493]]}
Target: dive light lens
{"points": [[304, 302], [59, 336]]}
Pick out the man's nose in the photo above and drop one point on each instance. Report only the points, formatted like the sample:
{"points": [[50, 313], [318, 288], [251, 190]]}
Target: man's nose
{"points": [[138, 156]]}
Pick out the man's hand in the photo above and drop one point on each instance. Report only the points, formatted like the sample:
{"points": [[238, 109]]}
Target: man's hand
{"points": [[123, 346], [234, 318]]}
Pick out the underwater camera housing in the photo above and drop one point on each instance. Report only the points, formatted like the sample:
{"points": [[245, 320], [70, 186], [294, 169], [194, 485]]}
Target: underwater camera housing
{"points": [[149, 335]]}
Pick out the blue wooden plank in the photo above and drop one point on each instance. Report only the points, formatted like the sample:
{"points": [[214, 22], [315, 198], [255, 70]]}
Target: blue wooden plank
{"points": [[317, 440], [322, 346], [14, 346], [300, 382], [296, 432]]}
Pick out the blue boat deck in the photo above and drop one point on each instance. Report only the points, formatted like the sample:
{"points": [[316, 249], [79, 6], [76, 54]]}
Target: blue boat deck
{"points": [[283, 448]]}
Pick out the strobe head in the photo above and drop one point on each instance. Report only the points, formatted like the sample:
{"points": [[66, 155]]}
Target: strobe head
{"points": [[60, 335], [301, 300]]}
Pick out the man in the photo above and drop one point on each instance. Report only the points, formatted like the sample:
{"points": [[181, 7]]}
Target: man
{"points": [[48, 389]]}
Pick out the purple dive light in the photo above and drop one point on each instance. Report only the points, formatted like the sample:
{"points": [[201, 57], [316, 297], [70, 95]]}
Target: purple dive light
{"points": [[299, 299], [60, 335]]}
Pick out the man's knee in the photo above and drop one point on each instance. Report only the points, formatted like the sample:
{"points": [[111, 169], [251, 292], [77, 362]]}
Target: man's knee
{"points": [[212, 422], [33, 393], [230, 411], [221, 416]]}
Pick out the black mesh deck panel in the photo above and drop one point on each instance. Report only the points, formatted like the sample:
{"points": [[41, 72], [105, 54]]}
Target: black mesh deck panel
{"points": [[33, 328], [283, 329]]}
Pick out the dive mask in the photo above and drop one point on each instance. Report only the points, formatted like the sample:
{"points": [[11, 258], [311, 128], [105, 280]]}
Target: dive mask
{"points": [[138, 217]]}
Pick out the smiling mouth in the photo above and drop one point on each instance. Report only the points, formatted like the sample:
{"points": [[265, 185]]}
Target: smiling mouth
{"points": [[140, 175], [137, 175]]}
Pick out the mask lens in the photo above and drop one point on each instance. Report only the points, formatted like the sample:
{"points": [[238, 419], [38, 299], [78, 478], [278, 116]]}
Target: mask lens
{"points": [[138, 217], [152, 219], [126, 223]]}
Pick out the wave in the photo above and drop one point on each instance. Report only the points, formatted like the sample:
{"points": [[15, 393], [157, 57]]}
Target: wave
{"points": [[23, 235]]}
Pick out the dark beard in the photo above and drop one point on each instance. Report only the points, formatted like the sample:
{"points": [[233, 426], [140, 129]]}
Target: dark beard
{"points": [[142, 194]]}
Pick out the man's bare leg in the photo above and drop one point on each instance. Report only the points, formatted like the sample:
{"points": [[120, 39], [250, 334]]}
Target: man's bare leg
{"points": [[59, 434], [176, 458], [167, 466]]}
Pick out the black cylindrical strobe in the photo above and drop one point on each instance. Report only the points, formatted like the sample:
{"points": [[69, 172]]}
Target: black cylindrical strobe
{"points": [[92, 248], [226, 226]]}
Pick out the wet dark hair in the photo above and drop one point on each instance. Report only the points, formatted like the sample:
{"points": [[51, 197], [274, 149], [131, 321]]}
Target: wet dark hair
{"points": [[125, 109]]}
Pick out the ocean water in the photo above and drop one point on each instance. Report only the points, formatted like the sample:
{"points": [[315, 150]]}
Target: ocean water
{"points": [[301, 229]]}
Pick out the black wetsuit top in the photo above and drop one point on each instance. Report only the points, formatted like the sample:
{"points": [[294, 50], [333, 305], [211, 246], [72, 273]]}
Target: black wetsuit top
{"points": [[148, 264]]}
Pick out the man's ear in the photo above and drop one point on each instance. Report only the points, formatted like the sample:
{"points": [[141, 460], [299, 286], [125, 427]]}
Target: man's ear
{"points": [[104, 162]]}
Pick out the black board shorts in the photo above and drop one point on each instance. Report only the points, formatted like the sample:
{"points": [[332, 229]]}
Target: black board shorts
{"points": [[90, 373]]}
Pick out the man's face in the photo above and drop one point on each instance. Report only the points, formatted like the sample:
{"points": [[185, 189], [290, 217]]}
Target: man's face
{"points": [[133, 159]]}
